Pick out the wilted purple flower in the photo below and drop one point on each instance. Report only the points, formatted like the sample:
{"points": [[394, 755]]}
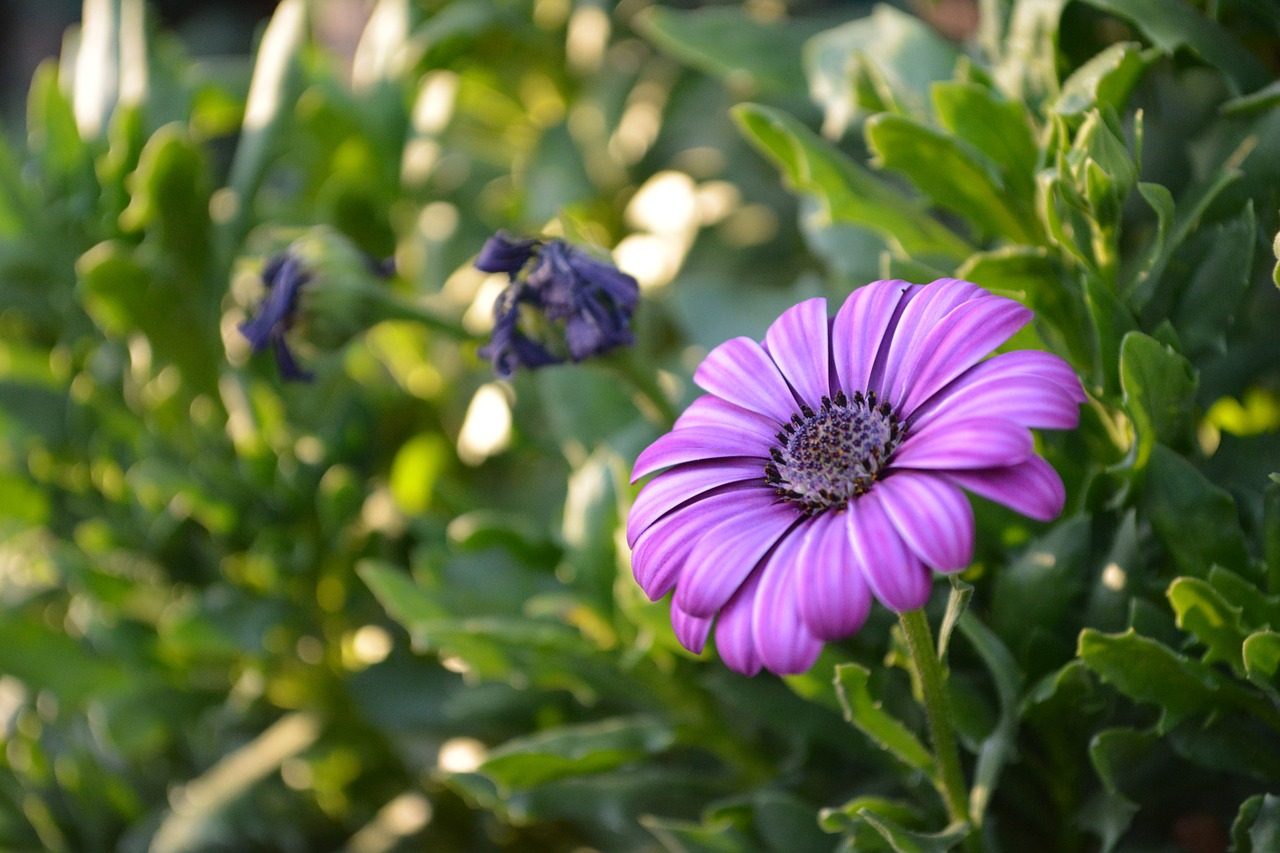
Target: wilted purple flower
{"points": [[593, 300], [283, 275], [324, 287], [827, 466]]}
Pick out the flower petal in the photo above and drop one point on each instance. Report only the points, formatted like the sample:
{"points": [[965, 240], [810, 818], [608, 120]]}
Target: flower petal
{"points": [[661, 551], [962, 338], [1031, 487], [928, 305], [691, 631], [740, 371], [785, 644], [965, 444], [895, 574], [860, 328], [726, 554], [710, 410], [685, 482], [734, 640], [696, 444], [1030, 400], [832, 588], [797, 342], [504, 253], [933, 517]]}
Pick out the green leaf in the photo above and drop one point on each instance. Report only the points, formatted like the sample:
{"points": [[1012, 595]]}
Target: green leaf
{"points": [[957, 603], [752, 56], [576, 750], [849, 192], [171, 188], [1261, 657], [999, 747], [904, 840], [1271, 534], [1202, 611], [1117, 755], [1196, 520], [681, 836], [1257, 609], [415, 470], [1175, 24], [1147, 671], [1159, 388], [1106, 80], [999, 129], [1111, 322], [853, 687], [1210, 299], [1257, 825], [899, 52], [949, 174]]}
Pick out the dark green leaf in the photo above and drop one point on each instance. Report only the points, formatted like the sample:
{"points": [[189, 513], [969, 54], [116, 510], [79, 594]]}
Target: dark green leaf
{"points": [[1111, 322], [1271, 534], [576, 750], [848, 192], [1147, 671], [1211, 298], [861, 709], [903, 840], [949, 174], [1196, 520], [1203, 612], [1257, 825], [1159, 388], [678, 836], [1257, 609], [1175, 24], [1105, 80], [999, 747]]}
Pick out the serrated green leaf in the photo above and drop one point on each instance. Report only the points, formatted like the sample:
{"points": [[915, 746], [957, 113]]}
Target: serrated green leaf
{"points": [[1147, 671], [1257, 825], [170, 198], [1111, 321], [1258, 610], [861, 709], [1203, 612], [1196, 520], [848, 192], [576, 750], [1175, 24], [949, 174], [1261, 659], [1116, 754], [1159, 388], [1106, 80]]}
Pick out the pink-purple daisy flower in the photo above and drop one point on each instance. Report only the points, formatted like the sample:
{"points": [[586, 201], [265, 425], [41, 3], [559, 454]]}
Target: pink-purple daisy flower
{"points": [[827, 466]]}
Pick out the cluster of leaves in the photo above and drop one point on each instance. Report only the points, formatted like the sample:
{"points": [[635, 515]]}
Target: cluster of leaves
{"points": [[241, 614]]}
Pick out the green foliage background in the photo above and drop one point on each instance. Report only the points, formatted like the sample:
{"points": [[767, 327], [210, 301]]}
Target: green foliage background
{"points": [[237, 614]]}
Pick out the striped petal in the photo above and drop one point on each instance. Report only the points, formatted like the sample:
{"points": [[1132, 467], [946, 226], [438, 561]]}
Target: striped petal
{"points": [[1031, 487], [834, 596], [965, 444], [861, 327], [691, 631], [740, 371], [734, 639], [726, 554], [797, 342], [696, 444], [918, 319], [895, 574], [686, 482], [784, 642], [932, 516]]}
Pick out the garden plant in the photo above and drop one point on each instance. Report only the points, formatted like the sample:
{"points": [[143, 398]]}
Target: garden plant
{"points": [[568, 425]]}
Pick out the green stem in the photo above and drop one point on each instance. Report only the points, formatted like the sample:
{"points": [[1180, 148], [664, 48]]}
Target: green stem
{"points": [[950, 779], [393, 307], [643, 380]]}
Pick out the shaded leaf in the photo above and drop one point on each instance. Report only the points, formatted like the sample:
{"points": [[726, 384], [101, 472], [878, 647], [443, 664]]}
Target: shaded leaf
{"points": [[576, 750], [1147, 671], [1196, 520], [1203, 612], [1106, 80], [1159, 388], [861, 709]]}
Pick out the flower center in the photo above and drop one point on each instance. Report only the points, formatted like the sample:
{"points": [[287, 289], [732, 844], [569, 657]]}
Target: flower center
{"points": [[825, 459]]}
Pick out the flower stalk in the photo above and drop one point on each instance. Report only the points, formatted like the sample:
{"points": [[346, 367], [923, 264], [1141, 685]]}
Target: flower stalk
{"points": [[924, 657]]}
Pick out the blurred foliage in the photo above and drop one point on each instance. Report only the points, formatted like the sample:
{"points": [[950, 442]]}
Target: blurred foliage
{"points": [[392, 609]]}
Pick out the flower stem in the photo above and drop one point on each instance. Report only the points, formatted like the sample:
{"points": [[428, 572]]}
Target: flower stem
{"points": [[950, 779], [394, 307]]}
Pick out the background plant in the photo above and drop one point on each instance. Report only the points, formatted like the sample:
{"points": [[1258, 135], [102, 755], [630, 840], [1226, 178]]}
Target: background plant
{"points": [[241, 614]]}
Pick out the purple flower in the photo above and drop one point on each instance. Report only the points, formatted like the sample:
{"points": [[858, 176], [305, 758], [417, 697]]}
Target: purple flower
{"points": [[283, 275], [590, 299], [827, 466]]}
